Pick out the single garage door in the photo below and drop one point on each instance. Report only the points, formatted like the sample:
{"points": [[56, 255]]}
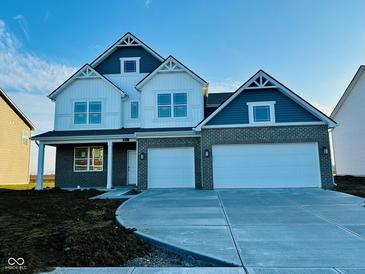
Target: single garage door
{"points": [[266, 165], [171, 167]]}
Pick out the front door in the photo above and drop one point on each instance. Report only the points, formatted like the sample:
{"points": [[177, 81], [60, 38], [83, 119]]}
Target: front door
{"points": [[132, 167]]}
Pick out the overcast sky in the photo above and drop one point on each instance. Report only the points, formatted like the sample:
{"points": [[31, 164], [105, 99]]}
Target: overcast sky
{"points": [[313, 47]]}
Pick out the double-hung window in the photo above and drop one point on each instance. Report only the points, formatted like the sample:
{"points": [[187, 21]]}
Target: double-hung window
{"points": [[261, 112], [180, 105], [87, 112], [172, 105], [80, 113], [88, 159]]}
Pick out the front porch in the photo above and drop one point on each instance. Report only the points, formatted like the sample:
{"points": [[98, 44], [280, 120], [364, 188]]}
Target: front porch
{"points": [[97, 164]]}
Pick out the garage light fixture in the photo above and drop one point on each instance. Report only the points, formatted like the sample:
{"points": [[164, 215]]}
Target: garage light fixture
{"points": [[206, 153], [141, 156], [325, 150]]}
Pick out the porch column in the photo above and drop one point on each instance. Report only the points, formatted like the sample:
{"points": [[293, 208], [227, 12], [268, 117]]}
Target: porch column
{"points": [[40, 166], [110, 165]]}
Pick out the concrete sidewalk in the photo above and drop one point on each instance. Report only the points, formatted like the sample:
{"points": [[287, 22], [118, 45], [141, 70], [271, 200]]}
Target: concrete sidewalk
{"points": [[261, 229], [200, 270]]}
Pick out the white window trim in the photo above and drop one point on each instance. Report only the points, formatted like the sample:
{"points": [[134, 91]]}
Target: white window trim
{"points": [[130, 110], [271, 104], [88, 112], [88, 158], [172, 104], [137, 59]]}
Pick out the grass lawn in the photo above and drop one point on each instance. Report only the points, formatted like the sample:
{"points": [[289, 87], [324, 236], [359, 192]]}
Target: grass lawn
{"points": [[56, 227]]}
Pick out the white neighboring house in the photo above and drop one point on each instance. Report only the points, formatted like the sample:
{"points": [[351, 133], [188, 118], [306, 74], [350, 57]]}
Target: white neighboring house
{"points": [[349, 136]]}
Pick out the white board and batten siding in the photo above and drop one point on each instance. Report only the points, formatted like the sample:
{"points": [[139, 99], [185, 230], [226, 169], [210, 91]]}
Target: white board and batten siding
{"points": [[171, 167], [88, 90], [127, 83], [349, 137], [266, 165], [172, 82]]}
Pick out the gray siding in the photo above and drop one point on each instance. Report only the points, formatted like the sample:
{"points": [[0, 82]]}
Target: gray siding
{"points": [[260, 135], [286, 110], [66, 177], [111, 65]]}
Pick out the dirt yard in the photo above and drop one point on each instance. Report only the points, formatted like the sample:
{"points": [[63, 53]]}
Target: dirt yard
{"points": [[351, 185], [60, 228]]}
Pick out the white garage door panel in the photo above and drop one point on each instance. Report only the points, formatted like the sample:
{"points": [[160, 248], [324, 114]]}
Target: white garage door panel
{"points": [[171, 167], [266, 165]]}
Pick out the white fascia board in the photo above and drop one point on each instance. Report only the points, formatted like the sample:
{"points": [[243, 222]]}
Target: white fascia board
{"points": [[348, 91], [281, 88], [104, 55], [81, 139], [265, 125], [157, 70], [54, 94], [20, 113], [166, 134]]}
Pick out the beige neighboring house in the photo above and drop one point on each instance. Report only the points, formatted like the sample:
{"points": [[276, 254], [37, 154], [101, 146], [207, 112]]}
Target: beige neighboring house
{"points": [[15, 131], [349, 136]]}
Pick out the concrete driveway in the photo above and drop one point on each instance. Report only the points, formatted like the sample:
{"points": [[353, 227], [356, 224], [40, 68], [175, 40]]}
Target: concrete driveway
{"points": [[265, 230]]}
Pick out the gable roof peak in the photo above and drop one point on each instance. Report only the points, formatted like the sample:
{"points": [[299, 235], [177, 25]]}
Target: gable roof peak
{"points": [[85, 72], [127, 40], [170, 64], [273, 84], [348, 91], [15, 108]]}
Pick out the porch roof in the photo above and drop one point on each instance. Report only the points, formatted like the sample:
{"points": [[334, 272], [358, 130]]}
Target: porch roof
{"points": [[105, 132]]}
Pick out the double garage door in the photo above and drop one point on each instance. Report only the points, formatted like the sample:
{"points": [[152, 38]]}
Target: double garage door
{"points": [[266, 165], [238, 166]]}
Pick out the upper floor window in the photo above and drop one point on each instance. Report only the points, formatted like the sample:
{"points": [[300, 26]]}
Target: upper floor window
{"points": [[134, 110], [87, 112], [129, 65], [261, 112], [180, 105], [172, 105]]}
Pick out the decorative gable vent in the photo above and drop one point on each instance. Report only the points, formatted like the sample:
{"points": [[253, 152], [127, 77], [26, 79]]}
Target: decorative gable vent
{"points": [[87, 73], [261, 82], [128, 41], [171, 66]]}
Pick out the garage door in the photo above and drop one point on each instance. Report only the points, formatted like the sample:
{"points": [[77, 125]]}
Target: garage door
{"points": [[171, 167], [266, 165]]}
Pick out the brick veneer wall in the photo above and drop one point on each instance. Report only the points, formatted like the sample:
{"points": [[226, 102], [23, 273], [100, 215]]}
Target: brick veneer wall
{"points": [[144, 144], [257, 135], [67, 178]]}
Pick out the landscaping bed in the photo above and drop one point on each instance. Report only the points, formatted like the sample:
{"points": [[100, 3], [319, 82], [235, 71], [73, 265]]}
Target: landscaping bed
{"points": [[351, 185], [56, 227]]}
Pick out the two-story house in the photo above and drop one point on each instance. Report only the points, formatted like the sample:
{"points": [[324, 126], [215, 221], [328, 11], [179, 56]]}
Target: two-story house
{"points": [[15, 130], [132, 117]]}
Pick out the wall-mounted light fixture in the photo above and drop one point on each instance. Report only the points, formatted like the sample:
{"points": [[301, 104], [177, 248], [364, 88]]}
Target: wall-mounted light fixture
{"points": [[325, 150], [141, 156], [206, 153]]}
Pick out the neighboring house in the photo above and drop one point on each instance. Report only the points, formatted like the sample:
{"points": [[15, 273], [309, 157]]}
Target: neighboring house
{"points": [[349, 138], [15, 131], [132, 117]]}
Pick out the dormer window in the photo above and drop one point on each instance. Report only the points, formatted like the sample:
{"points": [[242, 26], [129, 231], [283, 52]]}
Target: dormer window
{"points": [[129, 65], [261, 112]]}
